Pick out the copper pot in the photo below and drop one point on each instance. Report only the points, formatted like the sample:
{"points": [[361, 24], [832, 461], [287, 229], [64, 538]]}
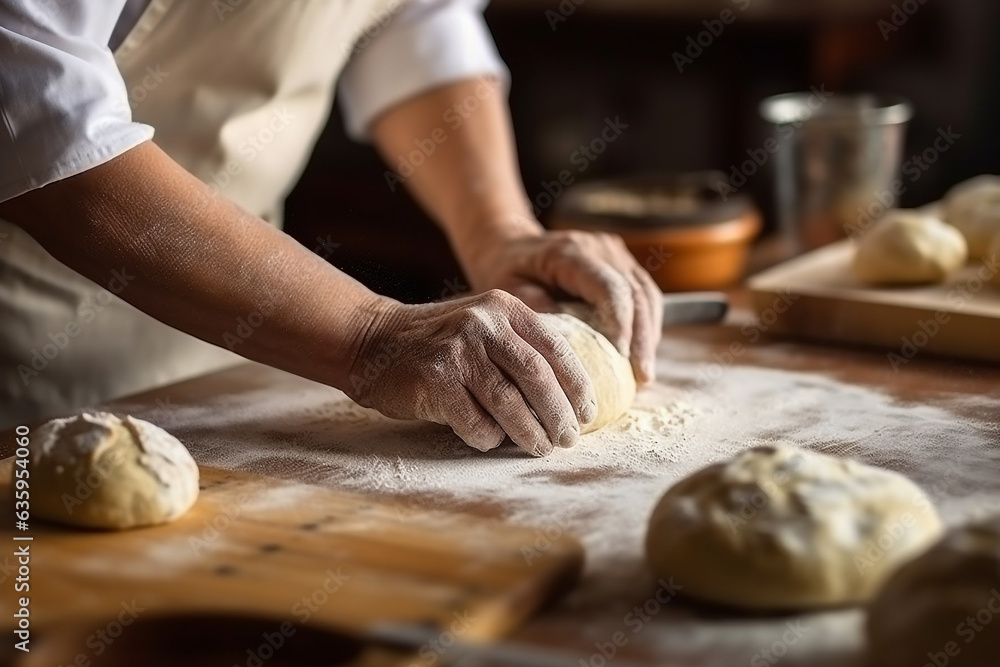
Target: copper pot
{"points": [[686, 233]]}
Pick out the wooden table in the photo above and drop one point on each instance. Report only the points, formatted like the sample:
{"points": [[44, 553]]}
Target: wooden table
{"points": [[925, 381]]}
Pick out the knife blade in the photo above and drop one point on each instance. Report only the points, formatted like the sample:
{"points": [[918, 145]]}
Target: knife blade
{"points": [[478, 654], [683, 308]]}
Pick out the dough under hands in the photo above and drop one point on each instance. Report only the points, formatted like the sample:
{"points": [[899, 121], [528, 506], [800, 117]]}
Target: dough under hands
{"points": [[778, 528], [610, 372], [908, 247], [99, 471], [974, 208], [951, 594]]}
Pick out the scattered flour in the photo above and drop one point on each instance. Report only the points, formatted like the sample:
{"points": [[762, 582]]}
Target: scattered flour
{"points": [[603, 490]]}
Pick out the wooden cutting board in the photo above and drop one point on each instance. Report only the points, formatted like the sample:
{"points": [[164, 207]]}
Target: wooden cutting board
{"points": [[816, 296], [270, 549]]}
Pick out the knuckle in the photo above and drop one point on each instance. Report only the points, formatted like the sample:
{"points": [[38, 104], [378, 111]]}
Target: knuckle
{"points": [[494, 298], [609, 239], [473, 321], [437, 372], [534, 367], [567, 242], [613, 281], [502, 392]]}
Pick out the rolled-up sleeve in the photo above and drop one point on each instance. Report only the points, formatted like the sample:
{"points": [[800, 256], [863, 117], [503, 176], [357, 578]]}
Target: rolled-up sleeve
{"points": [[63, 105], [421, 44]]}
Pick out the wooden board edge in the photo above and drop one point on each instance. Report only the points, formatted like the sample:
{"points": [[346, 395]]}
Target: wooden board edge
{"points": [[908, 334]]}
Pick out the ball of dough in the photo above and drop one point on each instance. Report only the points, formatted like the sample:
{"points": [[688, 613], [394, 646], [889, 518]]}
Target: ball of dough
{"points": [[609, 372], [945, 604], [778, 528], [974, 208], [99, 471], [906, 247]]}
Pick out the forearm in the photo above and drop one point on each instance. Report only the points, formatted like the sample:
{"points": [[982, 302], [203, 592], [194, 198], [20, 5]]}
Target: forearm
{"points": [[470, 184], [200, 262]]}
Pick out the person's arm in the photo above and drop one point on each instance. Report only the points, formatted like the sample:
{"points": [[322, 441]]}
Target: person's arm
{"points": [[471, 186], [200, 262]]}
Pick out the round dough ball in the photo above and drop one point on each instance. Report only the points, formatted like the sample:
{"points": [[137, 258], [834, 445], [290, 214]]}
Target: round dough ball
{"points": [[609, 372], [946, 603], [99, 471], [907, 247], [778, 528], [974, 208]]}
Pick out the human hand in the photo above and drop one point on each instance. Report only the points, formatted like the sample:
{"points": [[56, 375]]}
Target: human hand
{"points": [[484, 365], [546, 267]]}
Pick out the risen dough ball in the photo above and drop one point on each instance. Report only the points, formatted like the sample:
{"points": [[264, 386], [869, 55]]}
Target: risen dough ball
{"points": [[781, 528], [974, 208], [100, 471], [906, 247], [946, 603], [609, 371]]}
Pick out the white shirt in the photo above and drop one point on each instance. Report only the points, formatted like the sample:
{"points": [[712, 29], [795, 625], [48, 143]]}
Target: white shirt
{"points": [[64, 107]]}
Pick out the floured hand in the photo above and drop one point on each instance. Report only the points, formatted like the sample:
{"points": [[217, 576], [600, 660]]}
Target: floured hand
{"points": [[593, 267], [484, 365]]}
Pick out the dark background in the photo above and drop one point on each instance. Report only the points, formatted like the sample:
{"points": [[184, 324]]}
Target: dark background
{"points": [[613, 58]]}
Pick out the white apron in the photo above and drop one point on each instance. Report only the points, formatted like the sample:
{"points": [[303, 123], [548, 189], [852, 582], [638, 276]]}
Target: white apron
{"points": [[237, 91]]}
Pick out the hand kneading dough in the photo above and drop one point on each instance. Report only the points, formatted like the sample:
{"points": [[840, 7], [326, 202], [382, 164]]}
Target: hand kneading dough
{"points": [[974, 208], [779, 528], [951, 594], [906, 247], [100, 471], [609, 371]]}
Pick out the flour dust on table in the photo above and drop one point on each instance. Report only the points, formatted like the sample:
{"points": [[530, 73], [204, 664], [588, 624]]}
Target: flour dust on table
{"points": [[604, 489]]}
